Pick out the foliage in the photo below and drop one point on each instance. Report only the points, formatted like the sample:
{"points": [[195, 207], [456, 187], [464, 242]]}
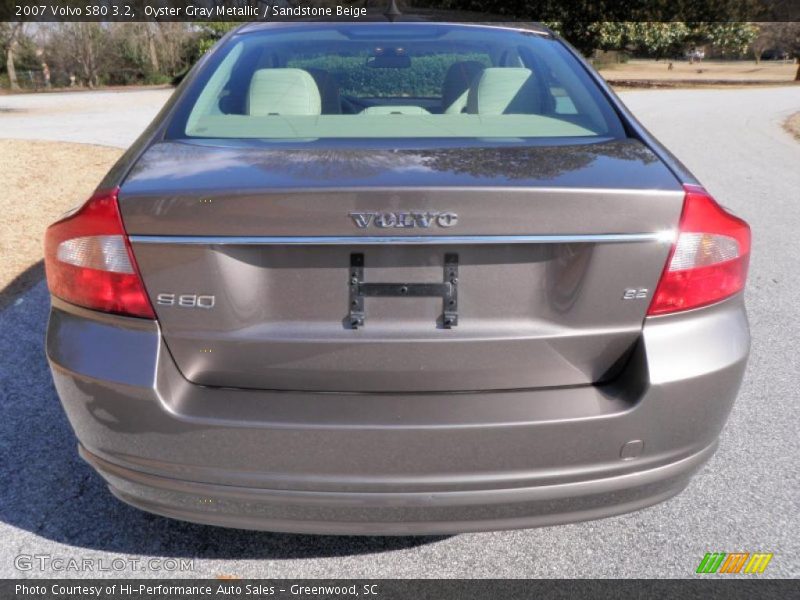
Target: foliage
{"points": [[664, 39], [730, 39], [155, 52], [108, 53], [211, 33], [650, 39], [655, 27], [80, 50], [783, 36], [423, 78]]}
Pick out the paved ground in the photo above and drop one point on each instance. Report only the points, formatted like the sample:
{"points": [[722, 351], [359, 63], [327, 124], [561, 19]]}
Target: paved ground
{"points": [[104, 118], [746, 499]]}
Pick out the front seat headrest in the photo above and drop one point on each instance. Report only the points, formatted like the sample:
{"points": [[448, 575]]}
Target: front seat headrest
{"points": [[283, 92], [504, 90], [456, 84], [328, 91]]}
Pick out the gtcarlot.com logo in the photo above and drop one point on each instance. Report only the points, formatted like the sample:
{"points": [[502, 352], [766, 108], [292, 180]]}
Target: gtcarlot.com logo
{"points": [[86, 564], [734, 562]]}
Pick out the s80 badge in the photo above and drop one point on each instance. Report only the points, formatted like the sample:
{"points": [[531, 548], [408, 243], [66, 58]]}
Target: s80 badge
{"points": [[186, 300]]}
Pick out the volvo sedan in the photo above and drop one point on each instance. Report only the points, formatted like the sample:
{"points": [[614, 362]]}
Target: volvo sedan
{"points": [[396, 278]]}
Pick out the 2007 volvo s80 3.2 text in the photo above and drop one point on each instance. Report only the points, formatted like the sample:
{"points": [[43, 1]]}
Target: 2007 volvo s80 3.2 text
{"points": [[391, 278]]}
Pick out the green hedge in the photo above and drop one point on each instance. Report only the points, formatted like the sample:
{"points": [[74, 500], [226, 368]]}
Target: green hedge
{"points": [[423, 79]]}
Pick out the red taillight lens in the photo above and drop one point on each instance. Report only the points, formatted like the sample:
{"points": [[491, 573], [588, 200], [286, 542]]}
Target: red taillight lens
{"points": [[708, 261], [89, 262]]}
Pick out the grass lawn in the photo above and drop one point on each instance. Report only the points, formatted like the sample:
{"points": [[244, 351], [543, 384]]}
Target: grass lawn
{"points": [[737, 71], [41, 181]]}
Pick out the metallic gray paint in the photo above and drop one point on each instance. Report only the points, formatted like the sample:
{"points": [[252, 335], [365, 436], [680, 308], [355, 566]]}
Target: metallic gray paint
{"points": [[446, 462], [397, 513], [524, 210], [544, 313], [200, 166], [529, 315]]}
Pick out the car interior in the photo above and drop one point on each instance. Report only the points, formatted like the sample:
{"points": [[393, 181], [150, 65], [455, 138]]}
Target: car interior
{"points": [[433, 88]]}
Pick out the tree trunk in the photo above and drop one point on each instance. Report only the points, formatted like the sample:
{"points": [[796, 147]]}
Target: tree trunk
{"points": [[797, 76], [10, 49], [12, 72], [91, 66], [151, 43]]}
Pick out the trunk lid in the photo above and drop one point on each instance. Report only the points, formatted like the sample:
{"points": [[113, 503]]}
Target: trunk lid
{"points": [[548, 242]]}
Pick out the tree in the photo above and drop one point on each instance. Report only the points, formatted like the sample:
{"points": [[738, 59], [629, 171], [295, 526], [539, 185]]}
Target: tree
{"points": [[82, 50], [730, 39], [116, 53], [212, 32], [152, 31], [10, 34], [177, 43], [766, 39], [655, 39], [788, 38], [661, 39], [88, 40], [585, 23]]}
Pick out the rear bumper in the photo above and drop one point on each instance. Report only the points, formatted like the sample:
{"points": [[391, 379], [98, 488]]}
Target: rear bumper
{"points": [[399, 513], [396, 463]]}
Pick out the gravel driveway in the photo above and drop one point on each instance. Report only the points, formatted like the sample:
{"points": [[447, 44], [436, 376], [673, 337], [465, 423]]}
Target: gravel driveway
{"points": [[745, 499]]}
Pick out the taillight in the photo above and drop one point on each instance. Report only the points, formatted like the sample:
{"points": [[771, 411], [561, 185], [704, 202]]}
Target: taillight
{"points": [[708, 261], [89, 262]]}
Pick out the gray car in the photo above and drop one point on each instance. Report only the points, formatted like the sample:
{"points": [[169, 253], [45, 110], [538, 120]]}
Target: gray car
{"points": [[396, 278]]}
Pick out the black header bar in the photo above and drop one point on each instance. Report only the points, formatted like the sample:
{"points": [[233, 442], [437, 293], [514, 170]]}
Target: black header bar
{"points": [[400, 10], [734, 588]]}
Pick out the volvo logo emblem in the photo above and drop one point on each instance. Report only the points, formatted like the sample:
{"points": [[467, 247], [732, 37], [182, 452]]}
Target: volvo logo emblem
{"points": [[404, 220]]}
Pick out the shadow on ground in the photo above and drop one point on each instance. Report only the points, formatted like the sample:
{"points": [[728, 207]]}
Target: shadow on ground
{"points": [[50, 492], [21, 284]]}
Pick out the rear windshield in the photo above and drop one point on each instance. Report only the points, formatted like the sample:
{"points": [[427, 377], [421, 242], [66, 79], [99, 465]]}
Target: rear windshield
{"points": [[334, 81]]}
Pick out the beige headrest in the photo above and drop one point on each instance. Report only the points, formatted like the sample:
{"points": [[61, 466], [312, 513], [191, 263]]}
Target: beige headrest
{"points": [[504, 90], [283, 92]]}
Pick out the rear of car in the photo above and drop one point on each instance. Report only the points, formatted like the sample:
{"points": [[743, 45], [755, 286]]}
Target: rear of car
{"points": [[396, 278]]}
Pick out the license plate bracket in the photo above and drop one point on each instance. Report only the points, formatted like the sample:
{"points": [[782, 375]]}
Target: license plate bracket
{"points": [[447, 290]]}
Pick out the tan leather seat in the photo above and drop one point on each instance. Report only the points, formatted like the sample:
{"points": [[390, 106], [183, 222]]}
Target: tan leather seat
{"points": [[504, 90], [328, 90], [283, 92], [456, 85]]}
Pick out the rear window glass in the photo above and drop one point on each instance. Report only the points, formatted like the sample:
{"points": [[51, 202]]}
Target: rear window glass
{"points": [[334, 81]]}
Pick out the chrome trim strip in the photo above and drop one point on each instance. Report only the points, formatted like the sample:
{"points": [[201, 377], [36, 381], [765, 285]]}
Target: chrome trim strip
{"points": [[370, 240]]}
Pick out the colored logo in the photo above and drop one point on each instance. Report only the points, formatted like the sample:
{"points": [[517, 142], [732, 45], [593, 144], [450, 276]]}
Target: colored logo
{"points": [[735, 562]]}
